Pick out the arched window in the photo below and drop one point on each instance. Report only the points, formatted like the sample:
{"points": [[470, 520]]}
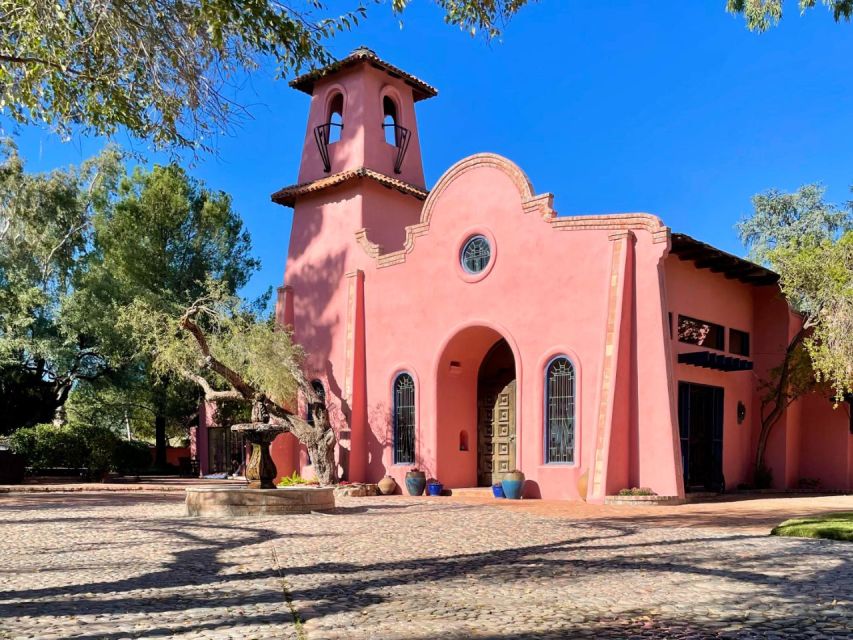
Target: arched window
{"points": [[389, 121], [336, 115], [560, 411], [404, 419]]}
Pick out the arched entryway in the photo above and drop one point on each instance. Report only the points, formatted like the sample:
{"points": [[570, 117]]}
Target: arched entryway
{"points": [[476, 408], [496, 415]]}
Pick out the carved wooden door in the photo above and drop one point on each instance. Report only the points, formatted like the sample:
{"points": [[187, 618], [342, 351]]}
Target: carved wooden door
{"points": [[496, 434]]}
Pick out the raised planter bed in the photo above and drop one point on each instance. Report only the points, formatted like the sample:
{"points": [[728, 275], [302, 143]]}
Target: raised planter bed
{"points": [[644, 501]]}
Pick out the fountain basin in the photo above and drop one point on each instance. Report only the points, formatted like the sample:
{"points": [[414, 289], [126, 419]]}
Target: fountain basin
{"points": [[243, 501]]}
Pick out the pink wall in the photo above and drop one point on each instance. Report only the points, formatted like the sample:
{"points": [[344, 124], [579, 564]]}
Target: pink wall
{"points": [[702, 294], [409, 327], [825, 443]]}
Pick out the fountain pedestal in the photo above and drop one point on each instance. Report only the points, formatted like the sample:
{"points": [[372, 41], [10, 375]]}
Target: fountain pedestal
{"points": [[260, 497], [260, 470]]}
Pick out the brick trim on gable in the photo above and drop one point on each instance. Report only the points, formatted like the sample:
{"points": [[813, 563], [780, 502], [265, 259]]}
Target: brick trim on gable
{"points": [[541, 204]]}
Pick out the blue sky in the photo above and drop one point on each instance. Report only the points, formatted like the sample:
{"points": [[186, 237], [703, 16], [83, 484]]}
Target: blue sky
{"points": [[670, 107]]}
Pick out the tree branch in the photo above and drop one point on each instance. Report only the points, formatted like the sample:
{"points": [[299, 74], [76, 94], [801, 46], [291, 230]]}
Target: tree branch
{"points": [[210, 361], [209, 392]]}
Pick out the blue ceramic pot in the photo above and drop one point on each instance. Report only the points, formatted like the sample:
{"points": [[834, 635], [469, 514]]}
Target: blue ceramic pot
{"points": [[498, 490], [415, 484], [434, 488], [512, 488]]}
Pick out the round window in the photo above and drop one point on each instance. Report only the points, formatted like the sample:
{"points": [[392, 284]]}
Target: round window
{"points": [[476, 253]]}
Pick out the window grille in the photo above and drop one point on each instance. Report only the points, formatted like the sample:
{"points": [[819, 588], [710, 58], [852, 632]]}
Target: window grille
{"points": [[404, 419], [560, 411], [476, 254]]}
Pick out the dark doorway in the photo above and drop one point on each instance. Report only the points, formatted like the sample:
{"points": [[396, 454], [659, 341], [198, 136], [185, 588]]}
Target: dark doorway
{"points": [[700, 423], [496, 415]]}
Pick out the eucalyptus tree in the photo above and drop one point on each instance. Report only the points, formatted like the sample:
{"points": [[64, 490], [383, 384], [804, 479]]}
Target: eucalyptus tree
{"points": [[809, 243], [48, 341], [761, 15], [169, 71]]}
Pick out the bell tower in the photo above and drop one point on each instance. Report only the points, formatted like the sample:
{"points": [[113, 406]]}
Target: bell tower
{"points": [[360, 176], [362, 116]]}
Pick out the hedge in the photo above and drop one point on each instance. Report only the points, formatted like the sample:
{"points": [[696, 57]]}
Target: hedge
{"points": [[79, 446]]}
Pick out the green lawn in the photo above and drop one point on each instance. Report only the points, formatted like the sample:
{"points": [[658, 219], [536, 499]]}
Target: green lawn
{"points": [[834, 526]]}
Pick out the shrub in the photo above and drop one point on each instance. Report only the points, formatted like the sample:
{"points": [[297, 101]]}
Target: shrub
{"points": [[292, 480], [75, 446], [131, 457], [637, 491]]}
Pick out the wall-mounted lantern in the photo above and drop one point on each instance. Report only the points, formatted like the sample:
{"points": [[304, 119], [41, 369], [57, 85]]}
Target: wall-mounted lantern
{"points": [[741, 412]]}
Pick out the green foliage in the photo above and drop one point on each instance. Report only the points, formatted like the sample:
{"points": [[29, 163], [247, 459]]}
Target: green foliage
{"points": [[819, 277], [167, 234], [294, 480], [48, 339], [761, 15], [167, 71], [77, 446], [488, 17], [637, 491], [832, 526], [131, 457], [76, 247], [263, 356], [809, 243], [790, 220]]}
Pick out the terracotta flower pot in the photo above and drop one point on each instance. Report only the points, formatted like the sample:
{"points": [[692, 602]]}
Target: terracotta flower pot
{"points": [[387, 486]]}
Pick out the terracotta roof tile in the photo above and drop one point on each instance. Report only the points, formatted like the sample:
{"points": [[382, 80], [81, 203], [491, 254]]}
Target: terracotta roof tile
{"points": [[288, 195], [306, 81]]}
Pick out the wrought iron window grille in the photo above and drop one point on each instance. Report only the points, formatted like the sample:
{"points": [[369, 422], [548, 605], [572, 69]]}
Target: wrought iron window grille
{"points": [[404, 419], [401, 141], [476, 254], [560, 411], [322, 133]]}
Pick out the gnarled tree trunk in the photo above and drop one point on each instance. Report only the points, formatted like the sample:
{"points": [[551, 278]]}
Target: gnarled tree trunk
{"points": [[777, 401]]}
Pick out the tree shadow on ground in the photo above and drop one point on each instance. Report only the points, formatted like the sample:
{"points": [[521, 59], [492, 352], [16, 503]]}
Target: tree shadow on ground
{"points": [[356, 586]]}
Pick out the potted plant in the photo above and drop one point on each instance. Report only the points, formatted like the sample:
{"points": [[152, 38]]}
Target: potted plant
{"points": [[498, 490], [434, 487], [415, 482], [512, 484]]}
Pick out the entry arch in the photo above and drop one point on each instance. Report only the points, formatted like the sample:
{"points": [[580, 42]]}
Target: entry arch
{"points": [[454, 401]]}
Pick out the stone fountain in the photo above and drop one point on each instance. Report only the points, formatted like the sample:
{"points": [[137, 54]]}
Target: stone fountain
{"points": [[261, 496]]}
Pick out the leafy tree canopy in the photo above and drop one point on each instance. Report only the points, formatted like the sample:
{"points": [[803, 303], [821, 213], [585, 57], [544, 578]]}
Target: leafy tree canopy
{"points": [[761, 15], [45, 235], [77, 246], [235, 355], [167, 70], [809, 242]]}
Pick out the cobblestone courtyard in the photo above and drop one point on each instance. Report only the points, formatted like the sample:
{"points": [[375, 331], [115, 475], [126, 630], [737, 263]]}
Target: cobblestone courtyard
{"points": [[112, 566]]}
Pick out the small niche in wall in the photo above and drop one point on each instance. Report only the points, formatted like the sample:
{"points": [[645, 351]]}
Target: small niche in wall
{"points": [[463, 440]]}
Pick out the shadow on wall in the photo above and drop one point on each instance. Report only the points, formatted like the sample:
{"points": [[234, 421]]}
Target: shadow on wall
{"points": [[379, 439]]}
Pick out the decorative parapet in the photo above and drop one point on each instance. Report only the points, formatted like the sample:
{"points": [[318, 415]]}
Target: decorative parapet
{"points": [[616, 221], [541, 204]]}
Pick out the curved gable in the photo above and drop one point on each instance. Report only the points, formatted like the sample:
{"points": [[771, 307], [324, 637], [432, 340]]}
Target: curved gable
{"points": [[530, 203]]}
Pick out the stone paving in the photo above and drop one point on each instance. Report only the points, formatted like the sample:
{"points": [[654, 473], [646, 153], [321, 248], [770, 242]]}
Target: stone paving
{"points": [[110, 566]]}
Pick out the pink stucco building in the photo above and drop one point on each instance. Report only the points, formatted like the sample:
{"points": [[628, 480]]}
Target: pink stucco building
{"points": [[468, 330]]}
